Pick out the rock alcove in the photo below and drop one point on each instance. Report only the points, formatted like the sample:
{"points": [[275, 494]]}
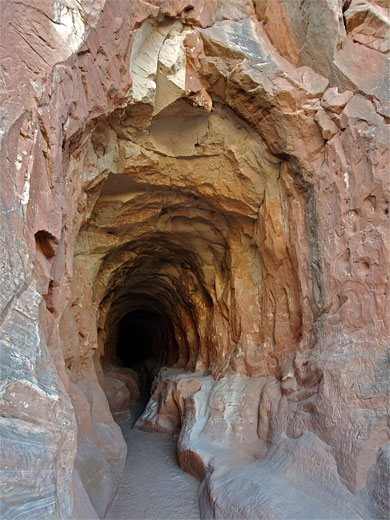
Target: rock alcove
{"points": [[201, 188]]}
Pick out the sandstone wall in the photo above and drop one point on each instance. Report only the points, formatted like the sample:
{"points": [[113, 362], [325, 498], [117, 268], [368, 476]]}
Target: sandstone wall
{"points": [[223, 164]]}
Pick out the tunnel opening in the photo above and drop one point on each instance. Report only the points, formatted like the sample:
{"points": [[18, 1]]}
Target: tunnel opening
{"points": [[154, 309], [145, 329], [145, 341], [137, 332]]}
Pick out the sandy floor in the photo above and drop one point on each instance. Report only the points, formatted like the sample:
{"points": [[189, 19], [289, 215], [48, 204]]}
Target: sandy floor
{"points": [[153, 486]]}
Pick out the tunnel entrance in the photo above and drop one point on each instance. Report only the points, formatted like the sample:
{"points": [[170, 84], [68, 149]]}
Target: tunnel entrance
{"points": [[187, 256], [141, 340]]}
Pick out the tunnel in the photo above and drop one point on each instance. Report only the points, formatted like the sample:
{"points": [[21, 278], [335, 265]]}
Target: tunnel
{"points": [[185, 264], [144, 342], [153, 307], [181, 240]]}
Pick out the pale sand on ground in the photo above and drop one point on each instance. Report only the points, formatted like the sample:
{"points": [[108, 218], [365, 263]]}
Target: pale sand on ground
{"points": [[152, 486]]}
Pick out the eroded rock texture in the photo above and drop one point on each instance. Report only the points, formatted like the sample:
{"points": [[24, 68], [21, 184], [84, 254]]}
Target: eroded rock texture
{"points": [[200, 185]]}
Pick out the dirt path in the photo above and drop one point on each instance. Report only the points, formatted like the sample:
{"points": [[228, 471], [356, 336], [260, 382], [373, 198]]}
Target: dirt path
{"points": [[153, 486]]}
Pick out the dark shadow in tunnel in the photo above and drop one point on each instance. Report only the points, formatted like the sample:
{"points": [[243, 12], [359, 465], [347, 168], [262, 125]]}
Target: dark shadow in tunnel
{"points": [[145, 342], [135, 341], [146, 335]]}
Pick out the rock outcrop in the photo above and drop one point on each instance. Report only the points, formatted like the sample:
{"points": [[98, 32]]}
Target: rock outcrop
{"points": [[121, 389], [216, 173]]}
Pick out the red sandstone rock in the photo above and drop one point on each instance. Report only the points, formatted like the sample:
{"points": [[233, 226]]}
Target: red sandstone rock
{"points": [[257, 239], [118, 397], [128, 376], [328, 127], [368, 23], [334, 101]]}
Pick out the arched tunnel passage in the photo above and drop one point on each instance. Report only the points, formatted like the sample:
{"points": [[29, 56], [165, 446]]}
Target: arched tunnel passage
{"points": [[155, 309], [187, 255], [144, 342], [154, 314]]}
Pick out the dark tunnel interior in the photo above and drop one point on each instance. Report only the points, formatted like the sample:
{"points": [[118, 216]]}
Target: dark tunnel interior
{"points": [[146, 335]]}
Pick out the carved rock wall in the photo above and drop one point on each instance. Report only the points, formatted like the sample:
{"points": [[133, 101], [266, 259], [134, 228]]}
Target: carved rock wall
{"points": [[221, 168]]}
